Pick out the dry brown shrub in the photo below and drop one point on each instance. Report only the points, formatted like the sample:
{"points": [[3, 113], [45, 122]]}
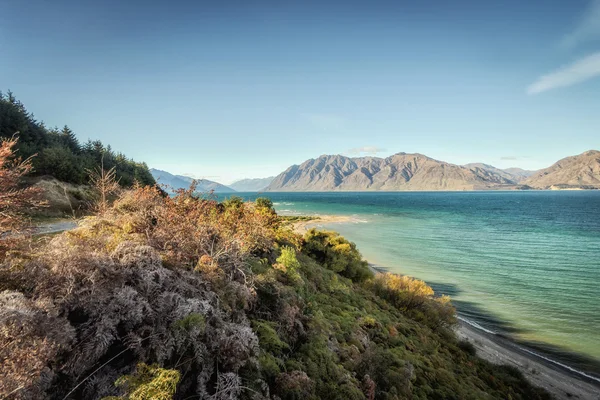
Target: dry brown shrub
{"points": [[123, 283], [31, 335], [15, 200]]}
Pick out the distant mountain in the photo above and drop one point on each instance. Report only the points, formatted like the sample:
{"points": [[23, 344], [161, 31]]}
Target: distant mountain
{"points": [[519, 173], [252, 185], [513, 174], [581, 171], [395, 173], [183, 182], [486, 169]]}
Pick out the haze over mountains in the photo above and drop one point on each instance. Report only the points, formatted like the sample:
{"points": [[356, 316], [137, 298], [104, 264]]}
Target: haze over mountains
{"points": [[406, 172], [418, 172], [252, 185], [183, 182], [512, 174]]}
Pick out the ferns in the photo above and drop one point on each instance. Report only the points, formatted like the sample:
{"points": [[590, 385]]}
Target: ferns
{"points": [[159, 296], [149, 382]]}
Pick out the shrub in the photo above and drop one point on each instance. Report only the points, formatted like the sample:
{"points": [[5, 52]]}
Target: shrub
{"points": [[264, 203], [337, 254], [14, 199], [149, 382], [289, 264], [415, 297], [467, 347], [402, 290]]}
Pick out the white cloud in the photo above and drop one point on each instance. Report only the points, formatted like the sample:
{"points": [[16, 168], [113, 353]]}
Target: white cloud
{"points": [[366, 150], [588, 27], [577, 72]]}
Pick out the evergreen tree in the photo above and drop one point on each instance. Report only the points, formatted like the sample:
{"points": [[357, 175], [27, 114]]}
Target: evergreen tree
{"points": [[59, 152]]}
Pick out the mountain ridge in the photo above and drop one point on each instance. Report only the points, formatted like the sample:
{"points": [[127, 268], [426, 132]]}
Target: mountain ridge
{"points": [[578, 171], [417, 172], [183, 182], [251, 184]]}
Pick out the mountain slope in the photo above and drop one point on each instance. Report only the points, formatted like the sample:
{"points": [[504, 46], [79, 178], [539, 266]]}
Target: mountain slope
{"points": [[398, 172], [184, 182], [252, 185], [486, 169], [519, 173], [580, 171]]}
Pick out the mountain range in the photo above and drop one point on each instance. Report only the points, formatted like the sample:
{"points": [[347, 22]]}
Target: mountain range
{"points": [[405, 172], [174, 182], [252, 185], [581, 171], [417, 172]]}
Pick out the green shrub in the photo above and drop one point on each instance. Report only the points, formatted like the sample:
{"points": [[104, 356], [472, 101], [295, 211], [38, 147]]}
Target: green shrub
{"points": [[268, 338], [233, 202], [288, 263], [264, 203], [337, 254], [467, 347], [149, 382]]}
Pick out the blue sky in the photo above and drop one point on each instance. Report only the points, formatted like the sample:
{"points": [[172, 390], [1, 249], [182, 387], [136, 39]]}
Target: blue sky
{"points": [[234, 89]]}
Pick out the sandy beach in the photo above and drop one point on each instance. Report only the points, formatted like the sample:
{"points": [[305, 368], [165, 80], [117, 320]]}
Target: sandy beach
{"points": [[559, 381], [302, 227]]}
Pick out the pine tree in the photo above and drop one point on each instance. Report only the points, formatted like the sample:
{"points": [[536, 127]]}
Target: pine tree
{"points": [[69, 139]]}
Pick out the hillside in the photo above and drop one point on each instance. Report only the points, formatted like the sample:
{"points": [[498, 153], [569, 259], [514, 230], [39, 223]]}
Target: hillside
{"points": [[580, 171], [519, 173], [183, 182], [515, 175], [181, 297], [395, 173], [59, 153], [252, 185]]}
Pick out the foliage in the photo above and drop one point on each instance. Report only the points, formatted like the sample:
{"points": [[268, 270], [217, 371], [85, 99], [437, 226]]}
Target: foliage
{"points": [[264, 203], [106, 183], [402, 290], [336, 253], [149, 382], [414, 297], [184, 297], [59, 152], [14, 199], [289, 264]]}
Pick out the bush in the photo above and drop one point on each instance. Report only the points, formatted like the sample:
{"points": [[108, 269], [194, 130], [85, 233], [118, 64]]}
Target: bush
{"points": [[402, 291], [415, 297], [467, 347], [337, 254], [289, 264], [149, 382], [264, 203]]}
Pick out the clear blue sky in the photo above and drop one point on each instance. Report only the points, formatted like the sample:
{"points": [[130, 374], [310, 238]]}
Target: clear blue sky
{"points": [[234, 89]]}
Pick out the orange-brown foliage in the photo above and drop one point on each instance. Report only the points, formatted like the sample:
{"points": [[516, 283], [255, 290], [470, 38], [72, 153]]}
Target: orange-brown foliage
{"points": [[14, 199]]}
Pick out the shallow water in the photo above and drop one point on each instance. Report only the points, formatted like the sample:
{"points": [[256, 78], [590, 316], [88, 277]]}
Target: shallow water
{"points": [[520, 263]]}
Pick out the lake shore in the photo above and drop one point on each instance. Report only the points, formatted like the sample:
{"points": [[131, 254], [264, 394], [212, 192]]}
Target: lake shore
{"points": [[559, 381], [302, 227]]}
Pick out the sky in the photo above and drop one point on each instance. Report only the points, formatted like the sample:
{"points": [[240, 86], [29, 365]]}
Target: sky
{"points": [[225, 90]]}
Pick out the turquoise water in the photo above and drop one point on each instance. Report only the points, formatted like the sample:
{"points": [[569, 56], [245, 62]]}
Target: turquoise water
{"points": [[524, 264]]}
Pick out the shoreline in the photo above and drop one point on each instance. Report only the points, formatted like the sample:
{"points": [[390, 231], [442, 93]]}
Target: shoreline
{"points": [[302, 227], [562, 381]]}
